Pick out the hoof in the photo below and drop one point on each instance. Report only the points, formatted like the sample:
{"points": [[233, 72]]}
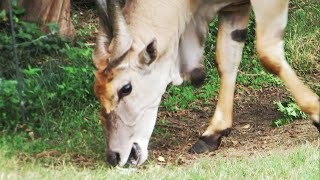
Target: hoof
{"points": [[201, 146], [208, 143], [197, 77], [317, 125]]}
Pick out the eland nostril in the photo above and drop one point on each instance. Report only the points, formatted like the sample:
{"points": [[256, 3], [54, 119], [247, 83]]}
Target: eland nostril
{"points": [[113, 158]]}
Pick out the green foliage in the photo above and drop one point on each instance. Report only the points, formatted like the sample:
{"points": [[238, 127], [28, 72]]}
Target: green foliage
{"points": [[302, 44], [185, 97], [57, 90], [45, 93], [3, 16], [9, 101], [290, 110], [29, 35], [31, 44], [49, 84]]}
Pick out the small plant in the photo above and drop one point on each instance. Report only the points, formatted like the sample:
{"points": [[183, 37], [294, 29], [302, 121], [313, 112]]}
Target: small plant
{"points": [[9, 101], [290, 110]]}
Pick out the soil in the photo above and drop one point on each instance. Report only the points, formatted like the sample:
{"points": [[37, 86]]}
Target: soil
{"points": [[252, 131]]}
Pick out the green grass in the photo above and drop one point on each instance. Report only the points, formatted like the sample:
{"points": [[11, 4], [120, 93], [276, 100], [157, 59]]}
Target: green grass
{"points": [[302, 36], [299, 163]]}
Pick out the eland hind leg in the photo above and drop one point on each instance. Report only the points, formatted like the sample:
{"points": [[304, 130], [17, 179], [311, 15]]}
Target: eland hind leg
{"points": [[191, 53], [271, 20], [230, 41]]}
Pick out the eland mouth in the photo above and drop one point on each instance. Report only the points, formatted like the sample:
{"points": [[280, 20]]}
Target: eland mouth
{"points": [[135, 155], [134, 158]]}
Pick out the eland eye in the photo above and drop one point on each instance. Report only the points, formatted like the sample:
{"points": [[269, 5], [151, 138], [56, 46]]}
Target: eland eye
{"points": [[125, 90]]}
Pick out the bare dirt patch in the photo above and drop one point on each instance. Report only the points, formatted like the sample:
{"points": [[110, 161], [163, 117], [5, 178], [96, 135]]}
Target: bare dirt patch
{"points": [[252, 131]]}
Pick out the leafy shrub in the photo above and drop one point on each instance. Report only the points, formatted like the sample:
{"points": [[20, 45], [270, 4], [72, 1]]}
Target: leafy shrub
{"points": [[9, 101], [57, 75], [290, 110], [30, 40]]}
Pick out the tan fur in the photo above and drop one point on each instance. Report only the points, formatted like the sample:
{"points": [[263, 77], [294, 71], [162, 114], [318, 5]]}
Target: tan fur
{"points": [[270, 65], [103, 90], [227, 60]]}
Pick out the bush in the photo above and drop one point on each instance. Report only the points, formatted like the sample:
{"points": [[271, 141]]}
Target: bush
{"points": [[57, 75], [290, 110]]}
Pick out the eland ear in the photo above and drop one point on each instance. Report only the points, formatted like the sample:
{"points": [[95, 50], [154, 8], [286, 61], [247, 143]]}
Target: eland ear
{"points": [[149, 54]]}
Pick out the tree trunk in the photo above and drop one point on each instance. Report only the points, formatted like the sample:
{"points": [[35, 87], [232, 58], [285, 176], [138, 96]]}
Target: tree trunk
{"points": [[46, 11]]}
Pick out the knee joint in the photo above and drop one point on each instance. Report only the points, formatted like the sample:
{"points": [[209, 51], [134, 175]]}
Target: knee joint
{"points": [[269, 60], [270, 65]]}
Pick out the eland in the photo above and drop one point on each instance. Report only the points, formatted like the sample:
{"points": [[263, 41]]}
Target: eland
{"points": [[147, 44]]}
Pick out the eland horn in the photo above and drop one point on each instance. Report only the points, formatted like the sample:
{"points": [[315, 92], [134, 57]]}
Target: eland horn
{"points": [[115, 37]]}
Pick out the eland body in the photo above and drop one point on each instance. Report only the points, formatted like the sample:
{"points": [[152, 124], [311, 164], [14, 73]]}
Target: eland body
{"points": [[148, 44]]}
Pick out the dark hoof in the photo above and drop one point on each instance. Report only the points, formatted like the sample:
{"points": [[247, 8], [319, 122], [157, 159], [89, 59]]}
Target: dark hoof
{"points": [[201, 146], [197, 77], [317, 125], [208, 143]]}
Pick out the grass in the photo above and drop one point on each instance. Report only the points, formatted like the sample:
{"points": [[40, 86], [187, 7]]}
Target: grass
{"points": [[302, 162], [302, 34]]}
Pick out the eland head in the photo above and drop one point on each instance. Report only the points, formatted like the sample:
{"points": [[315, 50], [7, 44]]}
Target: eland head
{"points": [[130, 81]]}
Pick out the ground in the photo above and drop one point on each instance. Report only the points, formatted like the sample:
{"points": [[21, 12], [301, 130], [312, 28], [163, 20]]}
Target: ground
{"points": [[252, 132]]}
